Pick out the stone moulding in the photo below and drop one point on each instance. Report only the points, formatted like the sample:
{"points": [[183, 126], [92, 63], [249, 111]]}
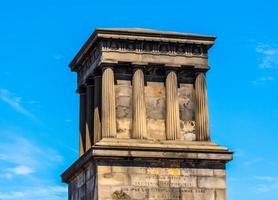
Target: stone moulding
{"points": [[141, 47], [209, 154]]}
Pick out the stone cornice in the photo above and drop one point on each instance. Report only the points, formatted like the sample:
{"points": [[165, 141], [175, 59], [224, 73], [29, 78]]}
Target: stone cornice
{"points": [[141, 41]]}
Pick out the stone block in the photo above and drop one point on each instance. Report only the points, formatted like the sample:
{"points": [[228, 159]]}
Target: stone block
{"points": [[121, 169], [141, 180], [164, 193], [123, 82], [113, 179], [219, 172], [183, 181], [154, 89], [156, 129], [104, 169], [104, 192], [136, 193], [155, 107], [197, 194], [196, 172], [137, 170], [212, 182], [220, 195], [123, 127]]}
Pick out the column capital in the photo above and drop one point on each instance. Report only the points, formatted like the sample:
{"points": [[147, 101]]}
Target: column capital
{"points": [[107, 66], [171, 69], [136, 66]]}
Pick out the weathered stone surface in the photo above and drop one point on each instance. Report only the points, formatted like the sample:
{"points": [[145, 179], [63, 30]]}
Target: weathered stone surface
{"points": [[219, 172], [186, 101], [212, 182], [155, 100], [164, 193], [198, 194], [196, 172], [112, 179], [123, 108], [123, 128], [143, 180], [220, 195], [127, 180], [156, 129]]}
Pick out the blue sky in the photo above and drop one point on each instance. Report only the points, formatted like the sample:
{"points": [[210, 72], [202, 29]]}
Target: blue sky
{"points": [[39, 107]]}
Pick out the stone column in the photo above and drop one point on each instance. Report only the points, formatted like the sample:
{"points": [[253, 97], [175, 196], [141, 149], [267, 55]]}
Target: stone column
{"points": [[139, 127], [89, 115], [201, 109], [97, 108], [108, 114], [82, 121], [172, 107]]}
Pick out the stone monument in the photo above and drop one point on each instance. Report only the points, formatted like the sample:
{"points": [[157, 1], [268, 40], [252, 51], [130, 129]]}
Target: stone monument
{"points": [[144, 124]]}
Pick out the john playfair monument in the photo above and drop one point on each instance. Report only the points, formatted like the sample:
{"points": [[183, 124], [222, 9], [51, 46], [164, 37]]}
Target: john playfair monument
{"points": [[144, 123]]}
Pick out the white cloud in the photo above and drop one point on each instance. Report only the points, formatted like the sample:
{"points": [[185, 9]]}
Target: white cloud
{"points": [[269, 55], [267, 184], [253, 161], [19, 170], [54, 192], [15, 102], [20, 160], [263, 79], [25, 156]]}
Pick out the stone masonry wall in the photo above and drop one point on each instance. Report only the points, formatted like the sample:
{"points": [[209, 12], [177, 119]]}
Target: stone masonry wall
{"points": [[115, 182], [155, 99], [154, 183], [123, 108], [186, 106], [83, 186]]}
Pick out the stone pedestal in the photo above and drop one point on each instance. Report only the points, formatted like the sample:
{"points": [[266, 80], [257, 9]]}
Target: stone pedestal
{"points": [[144, 121], [120, 169]]}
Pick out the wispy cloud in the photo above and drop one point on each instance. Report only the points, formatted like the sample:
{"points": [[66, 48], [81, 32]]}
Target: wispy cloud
{"points": [[27, 157], [253, 161], [54, 192], [267, 183], [21, 170], [269, 55], [263, 80], [25, 167], [15, 102]]}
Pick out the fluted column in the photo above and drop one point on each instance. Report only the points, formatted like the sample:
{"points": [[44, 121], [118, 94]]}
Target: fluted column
{"points": [[89, 115], [108, 104], [97, 108], [172, 107], [82, 121], [139, 127], [201, 109]]}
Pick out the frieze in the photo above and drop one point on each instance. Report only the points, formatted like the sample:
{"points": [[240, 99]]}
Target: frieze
{"points": [[154, 47], [93, 57]]}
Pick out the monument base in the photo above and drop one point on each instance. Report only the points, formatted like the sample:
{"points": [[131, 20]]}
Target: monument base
{"points": [[113, 169]]}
